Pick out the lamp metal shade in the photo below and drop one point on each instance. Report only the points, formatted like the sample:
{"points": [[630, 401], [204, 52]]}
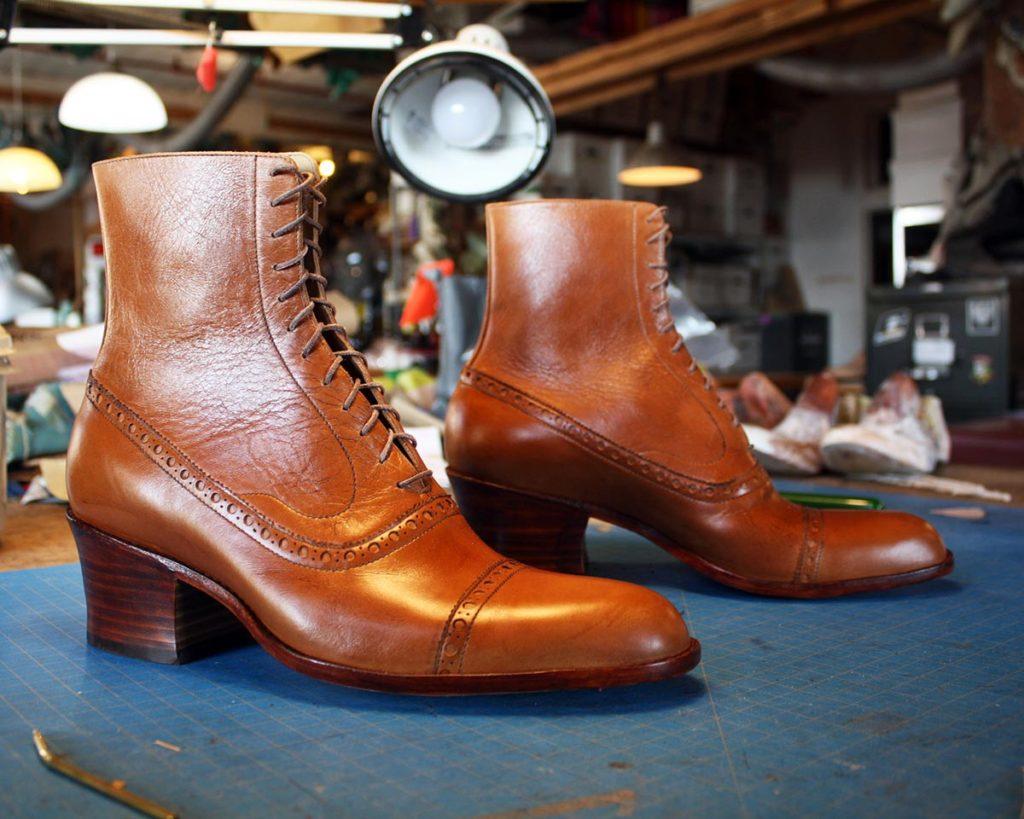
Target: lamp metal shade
{"points": [[512, 150]]}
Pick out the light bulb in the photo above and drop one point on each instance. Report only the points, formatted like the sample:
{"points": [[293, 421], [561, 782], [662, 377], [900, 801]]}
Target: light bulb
{"points": [[466, 113], [327, 168]]}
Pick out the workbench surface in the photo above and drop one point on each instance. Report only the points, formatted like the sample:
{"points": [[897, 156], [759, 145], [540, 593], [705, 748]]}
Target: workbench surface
{"points": [[901, 703]]}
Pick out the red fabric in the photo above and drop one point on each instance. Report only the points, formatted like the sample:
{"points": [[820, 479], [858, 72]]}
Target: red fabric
{"points": [[421, 305], [206, 71]]}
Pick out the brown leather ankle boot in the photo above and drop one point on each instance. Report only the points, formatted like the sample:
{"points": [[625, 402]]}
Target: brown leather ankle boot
{"points": [[234, 462], [581, 400]]}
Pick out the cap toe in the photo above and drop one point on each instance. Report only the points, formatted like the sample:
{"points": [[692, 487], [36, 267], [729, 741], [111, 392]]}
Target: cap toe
{"points": [[859, 545], [542, 621]]}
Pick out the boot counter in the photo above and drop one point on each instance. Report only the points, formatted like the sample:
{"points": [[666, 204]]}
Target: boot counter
{"points": [[487, 439], [85, 461], [111, 486]]}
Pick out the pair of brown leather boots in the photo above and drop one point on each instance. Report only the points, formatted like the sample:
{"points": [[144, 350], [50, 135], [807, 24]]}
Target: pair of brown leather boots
{"points": [[235, 467]]}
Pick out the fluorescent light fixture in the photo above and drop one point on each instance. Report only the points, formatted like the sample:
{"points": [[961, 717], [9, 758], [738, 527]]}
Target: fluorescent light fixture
{"points": [[26, 170], [112, 103], [655, 165], [172, 37], [326, 8]]}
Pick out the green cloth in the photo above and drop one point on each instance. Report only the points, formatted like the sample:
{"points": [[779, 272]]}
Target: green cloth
{"points": [[42, 427]]}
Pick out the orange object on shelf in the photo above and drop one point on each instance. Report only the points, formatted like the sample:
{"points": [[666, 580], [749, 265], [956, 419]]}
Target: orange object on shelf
{"points": [[422, 302]]}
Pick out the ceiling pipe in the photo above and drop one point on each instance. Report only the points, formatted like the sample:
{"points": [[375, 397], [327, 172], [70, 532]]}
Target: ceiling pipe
{"points": [[830, 78], [217, 107], [185, 139]]}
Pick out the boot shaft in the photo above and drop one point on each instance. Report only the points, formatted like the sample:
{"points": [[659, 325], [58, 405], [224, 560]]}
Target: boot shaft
{"points": [[567, 285], [579, 333], [217, 337], [183, 236]]}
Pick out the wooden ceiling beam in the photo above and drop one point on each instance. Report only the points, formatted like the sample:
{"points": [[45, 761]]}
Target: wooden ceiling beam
{"points": [[653, 60], [757, 29], [657, 37]]}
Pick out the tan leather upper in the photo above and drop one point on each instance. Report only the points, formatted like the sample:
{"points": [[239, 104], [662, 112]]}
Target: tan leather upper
{"points": [[209, 437], [580, 389]]}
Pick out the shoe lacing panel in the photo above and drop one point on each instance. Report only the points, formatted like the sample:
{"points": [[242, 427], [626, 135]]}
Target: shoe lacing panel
{"points": [[664, 323], [327, 330]]}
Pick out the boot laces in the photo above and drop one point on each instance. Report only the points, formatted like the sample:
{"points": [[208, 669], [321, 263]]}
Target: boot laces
{"points": [[664, 323], [327, 330]]}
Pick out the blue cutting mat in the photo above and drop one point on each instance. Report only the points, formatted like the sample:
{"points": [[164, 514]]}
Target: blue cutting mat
{"points": [[902, 703]]}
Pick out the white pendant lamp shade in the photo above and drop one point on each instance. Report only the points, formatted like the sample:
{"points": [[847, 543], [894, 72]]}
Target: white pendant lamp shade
{"points": [[464, 120], [26, 170], [112, 103]]}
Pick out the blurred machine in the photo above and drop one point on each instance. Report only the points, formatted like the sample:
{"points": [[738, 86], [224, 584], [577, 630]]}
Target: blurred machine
{"points": [[956, 340], [780, 342]]}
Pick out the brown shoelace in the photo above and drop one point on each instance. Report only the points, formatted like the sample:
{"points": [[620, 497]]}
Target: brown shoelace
{"points": [[315, 285], [662, 236]]}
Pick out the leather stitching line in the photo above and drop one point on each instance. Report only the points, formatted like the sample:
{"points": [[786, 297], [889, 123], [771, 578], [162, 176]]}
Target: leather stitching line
{"points": [[606, 449], [272, 536], [455, 640], [451, 614], [809, 562], [817, 527]]}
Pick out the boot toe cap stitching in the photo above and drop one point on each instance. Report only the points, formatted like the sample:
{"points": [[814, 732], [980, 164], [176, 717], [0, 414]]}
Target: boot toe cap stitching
{"points": [[454, 641]]}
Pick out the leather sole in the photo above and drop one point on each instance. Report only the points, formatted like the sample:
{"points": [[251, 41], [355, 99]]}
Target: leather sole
{"points": [[547, 532], [141, 604]]}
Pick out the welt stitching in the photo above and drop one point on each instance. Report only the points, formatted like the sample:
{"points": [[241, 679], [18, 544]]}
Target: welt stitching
{"points": [[254, 524], [663, 477]]}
